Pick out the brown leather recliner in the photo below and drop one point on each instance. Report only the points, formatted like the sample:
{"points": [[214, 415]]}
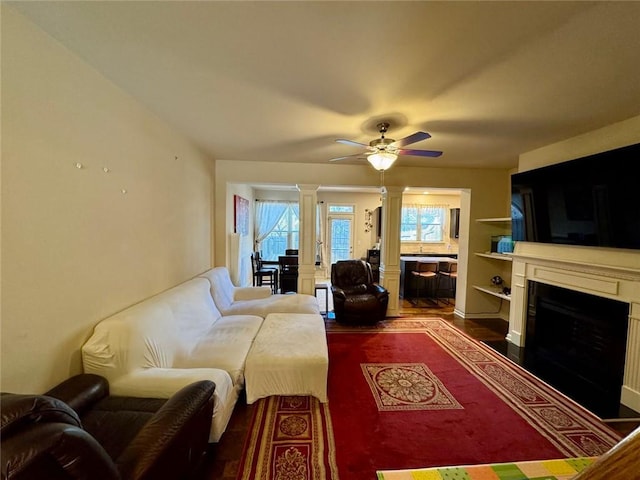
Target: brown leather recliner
{"points": [[356, 298], [78, 431]]}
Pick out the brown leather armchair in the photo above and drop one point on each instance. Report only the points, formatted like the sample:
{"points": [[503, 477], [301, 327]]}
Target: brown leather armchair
{"points": [[78, 431], [356, 298]]}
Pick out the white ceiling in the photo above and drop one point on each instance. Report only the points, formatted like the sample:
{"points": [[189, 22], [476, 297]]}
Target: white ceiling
{"points": [[280, 81]]}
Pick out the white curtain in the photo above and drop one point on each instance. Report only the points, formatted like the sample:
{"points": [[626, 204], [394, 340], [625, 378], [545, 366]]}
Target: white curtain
{"points": [[268, 214]]}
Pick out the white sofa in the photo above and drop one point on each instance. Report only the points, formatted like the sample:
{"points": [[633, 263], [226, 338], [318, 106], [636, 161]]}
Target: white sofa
{"points": [[200, 329], [232, 300]]}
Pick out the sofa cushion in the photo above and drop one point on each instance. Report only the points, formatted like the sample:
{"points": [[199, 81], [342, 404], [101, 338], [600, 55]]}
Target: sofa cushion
{"points": [[279, 303], [192, 307], [225, 345]]}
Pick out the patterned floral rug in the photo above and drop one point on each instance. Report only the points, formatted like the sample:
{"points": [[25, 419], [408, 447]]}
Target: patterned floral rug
{"points": [[416, 393], [291, 438]]}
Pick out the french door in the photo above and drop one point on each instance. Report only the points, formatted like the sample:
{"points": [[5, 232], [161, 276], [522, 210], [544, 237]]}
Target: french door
{"points": [[341, 237]]}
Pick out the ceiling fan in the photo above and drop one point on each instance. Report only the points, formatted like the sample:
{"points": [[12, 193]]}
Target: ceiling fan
{"points": [[382, 152]]}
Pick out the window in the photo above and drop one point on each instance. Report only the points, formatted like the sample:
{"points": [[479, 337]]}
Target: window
{"points": [[422, 223], [282, 235], [342, 209]]}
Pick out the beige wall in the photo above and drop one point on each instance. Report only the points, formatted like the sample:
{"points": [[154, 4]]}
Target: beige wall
{"points": [[616, 135], [76, 249]]}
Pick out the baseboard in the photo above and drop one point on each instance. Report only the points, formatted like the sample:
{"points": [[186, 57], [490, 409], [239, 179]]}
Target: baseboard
{"points": [[468, 316], [630, 398]]}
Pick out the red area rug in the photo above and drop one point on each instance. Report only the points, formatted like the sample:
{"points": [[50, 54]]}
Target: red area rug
{"points": [[289, 438], [412, 394]]}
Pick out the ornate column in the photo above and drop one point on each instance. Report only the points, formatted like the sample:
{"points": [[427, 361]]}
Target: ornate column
{"points": [[390, 246], [308, 199]]}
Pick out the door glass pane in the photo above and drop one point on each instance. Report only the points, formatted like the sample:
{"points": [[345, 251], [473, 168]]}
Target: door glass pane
{"points": [[341, 209], [340, 239]]}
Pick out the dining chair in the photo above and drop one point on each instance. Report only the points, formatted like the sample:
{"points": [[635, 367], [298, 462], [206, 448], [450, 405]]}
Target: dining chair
{"points": [[260, 273], [288, 273]]}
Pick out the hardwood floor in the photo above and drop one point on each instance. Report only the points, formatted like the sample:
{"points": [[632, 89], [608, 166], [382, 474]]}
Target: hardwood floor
{"points": [[223, 459]]}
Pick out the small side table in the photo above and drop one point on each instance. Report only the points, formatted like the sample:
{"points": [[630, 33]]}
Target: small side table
{"points": [[325, 287]]}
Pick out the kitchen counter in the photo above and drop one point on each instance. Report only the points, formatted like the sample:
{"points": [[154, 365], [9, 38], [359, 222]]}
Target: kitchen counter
{"points": [[426, 257], [429, 254]]}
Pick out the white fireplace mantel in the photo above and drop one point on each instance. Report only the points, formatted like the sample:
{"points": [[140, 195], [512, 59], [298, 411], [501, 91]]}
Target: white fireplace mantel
{"points": [[605, 272]]}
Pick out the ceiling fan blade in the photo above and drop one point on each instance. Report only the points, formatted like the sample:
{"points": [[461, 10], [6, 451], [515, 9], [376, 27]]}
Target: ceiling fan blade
{"points": [[355, 155], [420, 153], [351, 142], [416, 137]]}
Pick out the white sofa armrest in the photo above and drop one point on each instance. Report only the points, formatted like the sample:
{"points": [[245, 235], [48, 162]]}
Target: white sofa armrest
{"points": [[250, 293]]}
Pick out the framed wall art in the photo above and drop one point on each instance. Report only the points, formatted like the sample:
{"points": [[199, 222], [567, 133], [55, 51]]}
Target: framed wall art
{"points": [[240, 215]]}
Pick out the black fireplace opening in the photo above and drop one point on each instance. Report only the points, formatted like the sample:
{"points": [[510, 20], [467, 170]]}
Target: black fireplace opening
{"points": [[576, 342]]}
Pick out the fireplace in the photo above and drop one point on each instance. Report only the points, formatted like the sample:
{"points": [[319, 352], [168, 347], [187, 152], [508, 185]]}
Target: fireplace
{"points": [[563, 303], [577, 343]]}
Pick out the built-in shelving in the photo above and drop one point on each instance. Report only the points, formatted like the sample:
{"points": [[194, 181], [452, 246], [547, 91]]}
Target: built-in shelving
{"points": [[498, 226], [495, 291], [494, 220], [506, 257]]}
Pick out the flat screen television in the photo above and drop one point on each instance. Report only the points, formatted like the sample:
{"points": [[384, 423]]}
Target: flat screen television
{"points": [[591, 201]]}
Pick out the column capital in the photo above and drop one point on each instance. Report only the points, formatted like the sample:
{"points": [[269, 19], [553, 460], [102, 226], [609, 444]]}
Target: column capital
{"points": [[386, 190], [305, 187]]}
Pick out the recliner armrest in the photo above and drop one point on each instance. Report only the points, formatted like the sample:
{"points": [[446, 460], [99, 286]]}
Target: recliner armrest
{"points": [[81, 391], [21, 410], [338, 293], [378, 290], [178, 431], [55, 451]]}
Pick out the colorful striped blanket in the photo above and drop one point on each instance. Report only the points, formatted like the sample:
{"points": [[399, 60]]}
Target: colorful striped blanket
{"points": [[562, 469]]}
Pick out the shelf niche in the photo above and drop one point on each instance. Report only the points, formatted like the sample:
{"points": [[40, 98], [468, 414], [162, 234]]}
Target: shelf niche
{"points": [[501, 226], [495, 291]]}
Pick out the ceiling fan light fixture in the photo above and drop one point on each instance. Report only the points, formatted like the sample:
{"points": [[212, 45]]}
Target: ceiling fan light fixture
{"points": [[382, 160]]}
